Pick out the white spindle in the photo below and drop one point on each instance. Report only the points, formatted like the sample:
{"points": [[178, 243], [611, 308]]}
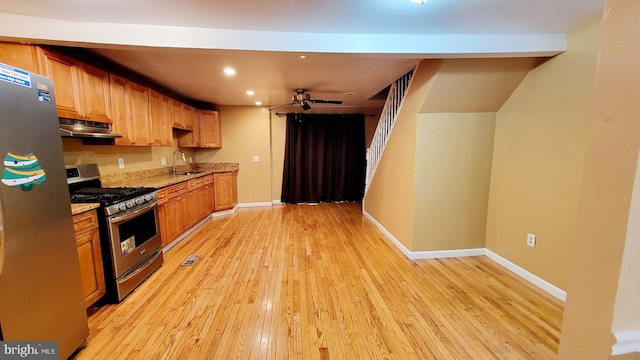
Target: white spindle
{"points": [[388, 117]]}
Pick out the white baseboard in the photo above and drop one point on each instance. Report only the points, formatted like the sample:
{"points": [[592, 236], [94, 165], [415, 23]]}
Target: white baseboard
{"points": [[386, 233], [535, 280], [255, 204], [276, 202], [184, 235], [415, 255], [626, 342], [224, 212]]}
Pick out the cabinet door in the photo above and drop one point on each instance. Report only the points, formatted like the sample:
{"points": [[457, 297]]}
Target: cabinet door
{"points": [[160, 115], [162, 218], [155, 115], [138, 105], [19, 55], [194, 208], [177, 116], [95, 88], [223, 191], [91, 270], [174, 219], [119, 111], [183, 206], [210, 129], [202, 203], [190, 116], [209, 199], [168, 130], [66, 82]]}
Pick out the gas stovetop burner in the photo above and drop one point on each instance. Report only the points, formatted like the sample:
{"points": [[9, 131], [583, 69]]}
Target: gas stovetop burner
{"points": [[108, 196]]}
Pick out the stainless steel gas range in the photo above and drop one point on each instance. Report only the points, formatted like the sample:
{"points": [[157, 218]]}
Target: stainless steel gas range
{"points": [[129, 229]]}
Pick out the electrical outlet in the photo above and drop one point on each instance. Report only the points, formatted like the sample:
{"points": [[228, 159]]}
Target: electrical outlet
{"points": [[163, 161], [121, 163], [531, 240], [256, 158], [190, 160]]}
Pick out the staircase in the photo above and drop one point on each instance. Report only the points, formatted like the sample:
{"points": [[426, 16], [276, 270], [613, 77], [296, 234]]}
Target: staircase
{"points": [[385, 124]]}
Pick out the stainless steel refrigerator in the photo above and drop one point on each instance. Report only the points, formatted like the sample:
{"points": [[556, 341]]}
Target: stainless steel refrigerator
{"points": [[41, 295]]}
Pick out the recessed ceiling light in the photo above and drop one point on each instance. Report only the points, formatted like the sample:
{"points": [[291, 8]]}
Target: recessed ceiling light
{"points": [[251, 92], [303, 56], [258, 103], [418, 1], [229, 71]]}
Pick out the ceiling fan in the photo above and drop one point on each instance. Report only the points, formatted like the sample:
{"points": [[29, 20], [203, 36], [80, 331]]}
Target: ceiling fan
{"points": [[303, 100]]}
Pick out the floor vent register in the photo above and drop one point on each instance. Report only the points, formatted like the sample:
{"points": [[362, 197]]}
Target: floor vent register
{"points": [[190, 260]]}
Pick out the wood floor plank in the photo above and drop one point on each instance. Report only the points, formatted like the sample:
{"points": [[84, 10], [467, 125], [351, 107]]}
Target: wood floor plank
{"points": [[321, 282]]}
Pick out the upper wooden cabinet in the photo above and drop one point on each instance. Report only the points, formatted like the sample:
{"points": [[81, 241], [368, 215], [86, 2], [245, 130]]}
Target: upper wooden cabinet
{"points": [[81, 90], [160, 112], [22, 56], [210, 129], [207, 132], [182, 115], [130, 112], [190, 115]]}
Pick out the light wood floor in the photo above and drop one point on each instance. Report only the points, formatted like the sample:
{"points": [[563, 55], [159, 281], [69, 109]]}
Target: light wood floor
{"points": [[321, 282]]}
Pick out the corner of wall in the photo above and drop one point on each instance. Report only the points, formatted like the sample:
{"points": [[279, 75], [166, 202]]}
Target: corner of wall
{"points": [[389, 199]]}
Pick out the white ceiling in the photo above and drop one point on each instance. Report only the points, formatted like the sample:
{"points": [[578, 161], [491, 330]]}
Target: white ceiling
{"points": [[352, 46]]}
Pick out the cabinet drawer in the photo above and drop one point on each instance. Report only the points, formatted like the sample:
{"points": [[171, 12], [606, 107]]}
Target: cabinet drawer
{"points": [[161, 196], [176, 190], [201, 181], [193, 184], [208, 179], [85, 221]]}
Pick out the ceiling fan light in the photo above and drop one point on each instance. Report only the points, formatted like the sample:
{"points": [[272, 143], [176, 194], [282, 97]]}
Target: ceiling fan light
{"points": [[305, 106]]}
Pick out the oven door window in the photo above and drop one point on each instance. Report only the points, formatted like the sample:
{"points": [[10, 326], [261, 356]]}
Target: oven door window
{"points": [[135, 232]]}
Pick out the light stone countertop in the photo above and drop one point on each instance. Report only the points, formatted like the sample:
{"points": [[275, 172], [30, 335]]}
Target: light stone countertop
{"points": [[80, 208], [161, 181], [160, 177]]}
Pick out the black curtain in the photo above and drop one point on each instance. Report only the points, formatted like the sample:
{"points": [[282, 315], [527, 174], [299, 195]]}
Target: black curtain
{"points": [[325, 158]]}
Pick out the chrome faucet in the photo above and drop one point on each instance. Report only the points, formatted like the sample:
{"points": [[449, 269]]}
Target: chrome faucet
{"points": [[173, 160]]}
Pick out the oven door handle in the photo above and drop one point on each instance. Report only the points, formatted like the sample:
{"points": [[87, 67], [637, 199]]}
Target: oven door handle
{"points": [[130, 215], [140, 268]]}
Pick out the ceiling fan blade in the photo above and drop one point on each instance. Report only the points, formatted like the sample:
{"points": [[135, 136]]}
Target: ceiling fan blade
{"points": [[337, 102]]}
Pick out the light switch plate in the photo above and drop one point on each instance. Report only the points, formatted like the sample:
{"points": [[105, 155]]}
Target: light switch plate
{"points": [[121, 163], [163, 161], [256, 158]]}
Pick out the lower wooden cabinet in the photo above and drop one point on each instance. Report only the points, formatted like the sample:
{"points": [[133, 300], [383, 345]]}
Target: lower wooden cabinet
{"points": [[183, 205], [90, 256], [225, 188], [173, 212]]}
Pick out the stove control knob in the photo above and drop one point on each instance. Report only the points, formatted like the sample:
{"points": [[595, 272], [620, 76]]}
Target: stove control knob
{"points": [[148, 197], [122, 207], [138, 201], [129, 204]]}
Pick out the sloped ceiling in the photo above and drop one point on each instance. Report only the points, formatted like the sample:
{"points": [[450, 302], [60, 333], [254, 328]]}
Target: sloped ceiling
{"points": [[475, 85]]}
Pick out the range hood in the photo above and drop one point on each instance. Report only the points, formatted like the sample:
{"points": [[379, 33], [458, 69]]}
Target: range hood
{"points": [[86, 129]]}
